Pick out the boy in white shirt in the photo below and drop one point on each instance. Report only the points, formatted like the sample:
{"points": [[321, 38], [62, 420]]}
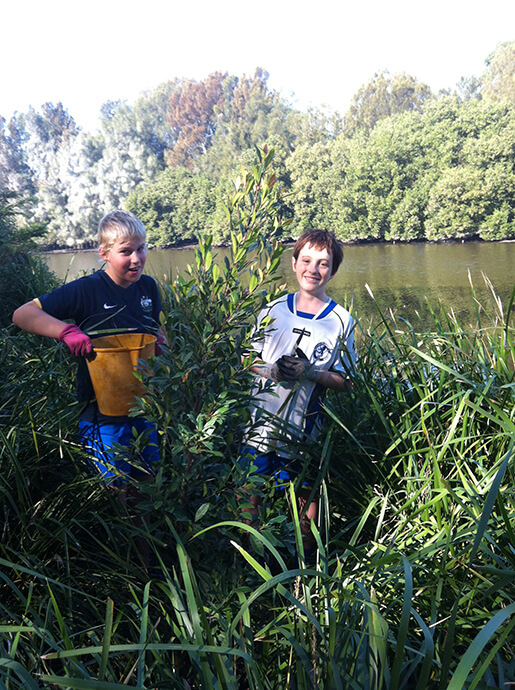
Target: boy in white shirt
{"points": [[307, 348]]}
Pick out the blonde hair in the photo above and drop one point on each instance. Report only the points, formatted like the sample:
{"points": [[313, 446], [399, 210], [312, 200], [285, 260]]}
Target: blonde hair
{"points": [[119, 225]]}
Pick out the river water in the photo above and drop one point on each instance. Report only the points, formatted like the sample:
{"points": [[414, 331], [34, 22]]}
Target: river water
{"points": [[403, 278]]}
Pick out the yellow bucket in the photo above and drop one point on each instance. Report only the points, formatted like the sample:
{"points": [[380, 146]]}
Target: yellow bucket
{"points": [[112, 370]]}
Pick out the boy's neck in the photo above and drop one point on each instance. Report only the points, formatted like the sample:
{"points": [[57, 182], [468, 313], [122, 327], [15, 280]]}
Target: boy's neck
{"points": [[310, 303]]}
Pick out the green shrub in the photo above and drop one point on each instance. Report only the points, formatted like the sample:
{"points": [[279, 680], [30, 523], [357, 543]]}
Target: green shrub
{"points": [[23, 275]]}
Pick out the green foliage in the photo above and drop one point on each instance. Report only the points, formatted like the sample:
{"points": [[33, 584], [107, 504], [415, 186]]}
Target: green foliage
{"points": [[177, 207], [382, 97], [198, 384], [15, 237], [440, 174], [498, 81], [251, 115], [402, 165], [311, 170], [23, 276], [438, 169], [412, 582], [456, 204]]}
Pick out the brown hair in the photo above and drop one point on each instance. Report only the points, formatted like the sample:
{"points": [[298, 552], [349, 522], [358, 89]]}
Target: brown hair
{"points": [[321, 239]]}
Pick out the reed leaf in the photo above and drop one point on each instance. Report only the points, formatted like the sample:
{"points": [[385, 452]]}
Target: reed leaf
{"points": [[460, 677]]}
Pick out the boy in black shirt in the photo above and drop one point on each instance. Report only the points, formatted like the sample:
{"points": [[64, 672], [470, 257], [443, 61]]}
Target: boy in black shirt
{"points": [[119, 297]]}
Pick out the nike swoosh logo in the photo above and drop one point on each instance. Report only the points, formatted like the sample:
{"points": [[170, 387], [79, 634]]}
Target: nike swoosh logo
{"points": [[109, 306]]}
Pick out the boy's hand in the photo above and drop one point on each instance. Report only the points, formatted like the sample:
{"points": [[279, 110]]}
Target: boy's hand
{"points": [[293, 368], [79, 343]]}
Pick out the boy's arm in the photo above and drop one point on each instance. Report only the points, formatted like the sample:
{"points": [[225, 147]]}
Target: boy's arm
{"points": [[32, 318], [335, 381]]}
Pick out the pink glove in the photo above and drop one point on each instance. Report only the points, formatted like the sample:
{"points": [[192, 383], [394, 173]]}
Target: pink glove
{"points": [[78, 342]]}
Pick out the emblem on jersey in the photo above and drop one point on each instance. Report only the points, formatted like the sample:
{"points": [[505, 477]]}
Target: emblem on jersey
{"points": [[146, 304], [321, 352]]}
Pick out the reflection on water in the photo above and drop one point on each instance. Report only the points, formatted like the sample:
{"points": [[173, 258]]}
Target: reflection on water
{"points": [[402, 277]]}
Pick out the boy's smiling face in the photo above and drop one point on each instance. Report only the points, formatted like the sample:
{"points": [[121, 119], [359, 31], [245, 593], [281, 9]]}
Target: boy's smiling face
{"points": [[313, 269], [125, 261]]}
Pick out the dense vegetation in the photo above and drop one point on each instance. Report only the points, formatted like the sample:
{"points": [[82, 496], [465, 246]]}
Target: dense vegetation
{"points": [[402, 163], [413, 581], [24, 277]]}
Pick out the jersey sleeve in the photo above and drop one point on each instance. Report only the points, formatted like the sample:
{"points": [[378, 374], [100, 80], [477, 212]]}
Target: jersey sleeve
{"points": [[158, 307], [259, 331], [346, 359], [65, 303]]}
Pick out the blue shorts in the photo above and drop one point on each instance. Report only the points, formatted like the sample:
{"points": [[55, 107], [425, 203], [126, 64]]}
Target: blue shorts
{"points": [[98, 439], [271, 465]]}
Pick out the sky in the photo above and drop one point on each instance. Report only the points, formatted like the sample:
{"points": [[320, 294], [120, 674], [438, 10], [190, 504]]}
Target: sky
{"points": [[317, 53]]}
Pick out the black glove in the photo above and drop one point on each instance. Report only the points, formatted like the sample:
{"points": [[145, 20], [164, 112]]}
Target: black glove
{"points": [[293, 368]]}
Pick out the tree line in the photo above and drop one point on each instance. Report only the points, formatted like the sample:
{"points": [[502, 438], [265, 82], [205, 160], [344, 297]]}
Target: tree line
{"points": [[401, 164]]}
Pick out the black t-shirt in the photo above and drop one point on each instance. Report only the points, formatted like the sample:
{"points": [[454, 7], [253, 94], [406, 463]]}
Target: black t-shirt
{"points": [[96, 303]]}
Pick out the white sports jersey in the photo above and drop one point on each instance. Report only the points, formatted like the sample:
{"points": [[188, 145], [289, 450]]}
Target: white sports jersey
{"points": [[327, 340]]}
